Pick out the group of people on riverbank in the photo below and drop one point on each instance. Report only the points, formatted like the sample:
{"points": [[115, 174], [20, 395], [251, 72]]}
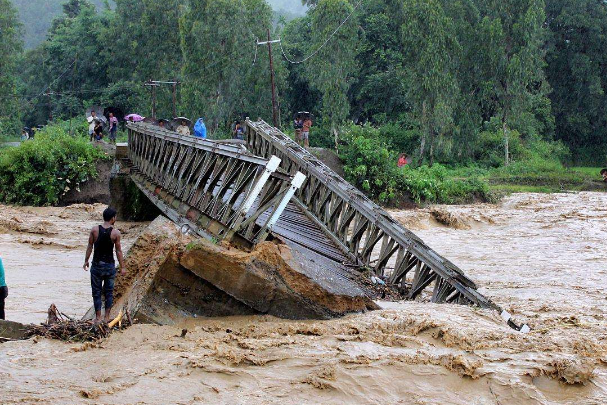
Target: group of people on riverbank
{"points": [[96, 129]]}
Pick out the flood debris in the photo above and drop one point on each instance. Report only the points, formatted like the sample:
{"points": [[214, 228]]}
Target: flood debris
{"points": [[62, 327]]}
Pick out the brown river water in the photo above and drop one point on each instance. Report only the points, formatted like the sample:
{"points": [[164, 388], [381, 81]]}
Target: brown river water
{"points": [[541, 257]]}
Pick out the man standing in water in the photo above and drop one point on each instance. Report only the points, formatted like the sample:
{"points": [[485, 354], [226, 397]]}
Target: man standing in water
{"points": [[103, 270]]}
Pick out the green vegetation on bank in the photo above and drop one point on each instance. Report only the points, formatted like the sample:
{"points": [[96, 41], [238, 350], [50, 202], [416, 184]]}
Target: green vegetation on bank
{"points": [[41, 170], [371, 164]]}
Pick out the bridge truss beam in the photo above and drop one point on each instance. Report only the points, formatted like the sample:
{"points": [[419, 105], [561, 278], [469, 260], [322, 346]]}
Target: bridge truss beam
{"points": [[363, 230], [217, 190]]}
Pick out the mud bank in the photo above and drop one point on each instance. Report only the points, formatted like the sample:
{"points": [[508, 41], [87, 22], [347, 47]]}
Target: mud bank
{"points": [[170, 276], [542, 257]]}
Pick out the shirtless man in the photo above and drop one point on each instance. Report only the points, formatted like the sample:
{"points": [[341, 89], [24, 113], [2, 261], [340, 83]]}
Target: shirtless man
{"points": [[103, 270]]}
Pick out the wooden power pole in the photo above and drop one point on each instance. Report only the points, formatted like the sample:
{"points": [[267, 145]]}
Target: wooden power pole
{"points": [[153, 86], [269, 42], [155, 83], [174, 99]]}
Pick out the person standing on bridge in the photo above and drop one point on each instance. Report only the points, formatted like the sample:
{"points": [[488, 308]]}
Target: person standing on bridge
{"points": [[238, 132], [183, 129], [3, 290], [305, 132], [104, 238]]}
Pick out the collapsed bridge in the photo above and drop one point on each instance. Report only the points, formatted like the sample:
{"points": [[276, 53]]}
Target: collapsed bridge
{"points": [[272, 188]]}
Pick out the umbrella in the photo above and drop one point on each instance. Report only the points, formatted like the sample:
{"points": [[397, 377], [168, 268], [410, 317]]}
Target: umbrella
{"points": [[98, 111], [303, 114], [177, 121], [133, 117]]}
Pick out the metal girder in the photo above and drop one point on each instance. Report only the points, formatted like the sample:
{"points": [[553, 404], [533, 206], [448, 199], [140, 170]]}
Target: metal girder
{"points": [[217, 189], [362, 229]]}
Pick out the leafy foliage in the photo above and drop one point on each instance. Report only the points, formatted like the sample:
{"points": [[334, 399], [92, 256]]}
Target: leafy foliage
{"points": [[480, 83], [10, 46], [371, 166], [41, 170]]}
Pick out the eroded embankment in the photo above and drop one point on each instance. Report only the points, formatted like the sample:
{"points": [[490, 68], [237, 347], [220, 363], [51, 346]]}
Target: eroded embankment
{"points": [[170, 275]]}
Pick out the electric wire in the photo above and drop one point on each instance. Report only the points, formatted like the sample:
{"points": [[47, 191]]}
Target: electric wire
{"points": [[324, 43]]}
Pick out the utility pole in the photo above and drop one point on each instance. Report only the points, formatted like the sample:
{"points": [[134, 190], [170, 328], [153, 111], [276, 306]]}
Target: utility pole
{"points": [[269, 42], [174, 99], [155, 83]]}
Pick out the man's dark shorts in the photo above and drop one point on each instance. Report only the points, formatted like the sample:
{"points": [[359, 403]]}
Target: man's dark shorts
{"points": [[102, 282]]}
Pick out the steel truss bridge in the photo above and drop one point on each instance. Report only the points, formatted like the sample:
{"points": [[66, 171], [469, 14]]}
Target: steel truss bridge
{"points": [[270, 187]]}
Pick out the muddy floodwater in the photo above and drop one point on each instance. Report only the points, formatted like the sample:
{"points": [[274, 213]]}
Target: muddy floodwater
{"points": [[541, 257]]}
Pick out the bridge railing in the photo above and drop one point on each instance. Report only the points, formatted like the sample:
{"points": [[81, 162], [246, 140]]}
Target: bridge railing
{"points": [[217, 190], [362, 229]]}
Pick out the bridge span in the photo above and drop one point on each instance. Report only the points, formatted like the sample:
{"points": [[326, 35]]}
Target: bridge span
{"points": [[271, 187]]}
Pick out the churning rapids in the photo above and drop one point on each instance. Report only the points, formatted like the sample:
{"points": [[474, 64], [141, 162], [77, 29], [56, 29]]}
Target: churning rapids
{"points": [[542, 257]]}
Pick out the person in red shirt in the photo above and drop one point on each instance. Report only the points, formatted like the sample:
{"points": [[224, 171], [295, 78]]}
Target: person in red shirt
{"points": [[403, 160]]}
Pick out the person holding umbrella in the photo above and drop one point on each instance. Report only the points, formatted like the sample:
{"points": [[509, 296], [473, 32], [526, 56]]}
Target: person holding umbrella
{"points": [[183, 128]]}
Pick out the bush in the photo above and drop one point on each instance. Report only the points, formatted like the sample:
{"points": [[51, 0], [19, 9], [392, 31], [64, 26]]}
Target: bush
{"points": [[437, 185], [369, 164], [41, 170]]}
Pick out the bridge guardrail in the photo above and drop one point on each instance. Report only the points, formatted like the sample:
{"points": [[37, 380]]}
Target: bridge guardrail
{"points": [[218, 190]]}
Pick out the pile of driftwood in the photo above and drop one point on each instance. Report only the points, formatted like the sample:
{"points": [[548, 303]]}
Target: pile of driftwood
{"points": [[62, 327]]}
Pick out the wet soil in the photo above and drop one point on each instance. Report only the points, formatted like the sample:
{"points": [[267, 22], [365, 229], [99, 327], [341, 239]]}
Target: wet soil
{"points": [[540, 256]]}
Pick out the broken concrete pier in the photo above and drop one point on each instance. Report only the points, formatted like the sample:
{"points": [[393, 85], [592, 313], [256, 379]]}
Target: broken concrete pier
{"points": [[171, 276]]}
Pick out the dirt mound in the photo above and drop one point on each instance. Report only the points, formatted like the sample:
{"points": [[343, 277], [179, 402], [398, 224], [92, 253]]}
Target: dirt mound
{"points": [[170, 275], [92, 191]]}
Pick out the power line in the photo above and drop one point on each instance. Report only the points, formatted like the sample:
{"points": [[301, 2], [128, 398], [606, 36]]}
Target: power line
{"points": [[51, 83], [324, 43]]}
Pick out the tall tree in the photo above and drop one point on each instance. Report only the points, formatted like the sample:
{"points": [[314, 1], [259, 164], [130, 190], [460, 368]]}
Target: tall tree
{"points": [[430, 49], [577, 72], [218, 44], [10, 47], [380, 91], [143, 43], [511, 38], [333, 68]]}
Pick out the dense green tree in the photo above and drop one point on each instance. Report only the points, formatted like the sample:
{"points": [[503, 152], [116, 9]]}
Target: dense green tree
{"points": [[37, 17], [69, 67], [295, 41], [224, 76], [431, 50], [510, 39], [142, 43], [380, 88], [577, 72], [332, 70], [10, 46]]}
